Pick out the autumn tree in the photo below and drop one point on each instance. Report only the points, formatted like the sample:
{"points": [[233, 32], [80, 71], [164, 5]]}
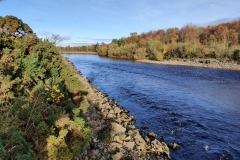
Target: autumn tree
{"points": [[11, 26], [232, 38], [189, 33], [211, 41], [142, 42], [172, 35], [219, 41], [102, 49], [114, 50], [155, 50], [222, 35]]}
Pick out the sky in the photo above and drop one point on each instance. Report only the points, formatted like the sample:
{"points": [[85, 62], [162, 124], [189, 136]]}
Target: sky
{"points": [[85, 22]]}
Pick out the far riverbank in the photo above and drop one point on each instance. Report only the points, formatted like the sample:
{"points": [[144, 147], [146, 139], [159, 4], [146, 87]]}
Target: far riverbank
{"points": [[77, 52], [209, 63]]}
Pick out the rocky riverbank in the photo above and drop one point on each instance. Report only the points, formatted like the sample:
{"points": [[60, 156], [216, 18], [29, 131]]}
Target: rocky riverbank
{"points": [[209, 63], [114, 133]]}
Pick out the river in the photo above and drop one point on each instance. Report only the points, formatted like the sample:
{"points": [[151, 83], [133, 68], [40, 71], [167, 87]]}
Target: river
{"points": [[198, 108]]}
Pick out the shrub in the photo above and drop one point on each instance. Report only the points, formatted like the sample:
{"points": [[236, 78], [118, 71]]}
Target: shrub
{"points": [[38, 118], [104, 135], [236, 55]]}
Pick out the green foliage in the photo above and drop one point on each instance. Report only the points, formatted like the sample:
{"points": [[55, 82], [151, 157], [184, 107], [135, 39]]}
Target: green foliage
{"points": [[140, 53], [236, 55], [104, 135], [34, 69], [102, 50], [128, 51], [114, 51], [14, 146], [36, 90], [11, 26], [155, 50], [190, 41]]}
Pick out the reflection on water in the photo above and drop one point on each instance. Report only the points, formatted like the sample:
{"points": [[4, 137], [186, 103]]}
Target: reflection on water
{"points": [[197, 108]]}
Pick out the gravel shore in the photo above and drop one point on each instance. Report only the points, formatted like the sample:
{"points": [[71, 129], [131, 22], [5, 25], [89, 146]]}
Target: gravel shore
{"points": [[209, 63]]}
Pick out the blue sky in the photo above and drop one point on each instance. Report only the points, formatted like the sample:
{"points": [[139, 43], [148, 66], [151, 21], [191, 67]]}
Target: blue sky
{"points": [[83, 22]]}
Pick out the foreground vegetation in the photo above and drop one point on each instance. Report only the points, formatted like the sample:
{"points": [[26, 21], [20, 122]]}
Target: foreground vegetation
{"points": [[39, 96]]}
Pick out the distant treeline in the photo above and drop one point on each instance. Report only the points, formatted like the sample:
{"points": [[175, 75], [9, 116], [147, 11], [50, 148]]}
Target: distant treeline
{"points": [[91, 48], [220, 41]]}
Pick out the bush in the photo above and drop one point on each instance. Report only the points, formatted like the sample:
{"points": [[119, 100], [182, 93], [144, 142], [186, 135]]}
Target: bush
{"points": [[104, 135], [236, 55], [36, 91]]}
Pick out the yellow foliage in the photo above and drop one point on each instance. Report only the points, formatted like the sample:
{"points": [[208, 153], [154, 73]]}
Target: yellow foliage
{"points": [[62, 121], [55, 94], [54, 143], [165, 49], [159, 56]]}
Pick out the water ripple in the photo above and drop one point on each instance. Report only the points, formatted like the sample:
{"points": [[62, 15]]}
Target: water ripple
{"points": [[197, 108]]}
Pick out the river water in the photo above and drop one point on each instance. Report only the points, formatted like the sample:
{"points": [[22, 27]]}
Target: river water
{"points": [[198, 108]]}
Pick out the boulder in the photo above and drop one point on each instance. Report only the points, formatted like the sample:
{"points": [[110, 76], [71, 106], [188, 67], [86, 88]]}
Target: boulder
{"points": [[117, 139], [129, 145], [128, 138], [131, 133], [117, 110], [117, 156], [151, 135], [115, 146], [144, 127], [94, 152], [161, 139], [111, 111], [118, 128], [104, 113], [111, 115], [140, 141], [173, 146]]}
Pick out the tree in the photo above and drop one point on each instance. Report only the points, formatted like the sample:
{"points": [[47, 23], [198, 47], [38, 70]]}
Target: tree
{"points": [[233, 38], [13, 27], [142, 42], [172, 35], [113, 50], [236, 55], [102, 49], [140, 53], [155, 49], [55, 38], [189, 33], [211, 41], [221, 34]]}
